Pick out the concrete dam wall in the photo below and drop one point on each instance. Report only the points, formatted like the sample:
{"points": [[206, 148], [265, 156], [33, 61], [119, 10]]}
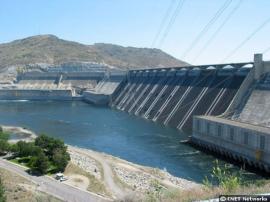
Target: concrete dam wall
{"points": [[173, 96], [95, 87], [37, 94], [70, 79], [256, 109]]}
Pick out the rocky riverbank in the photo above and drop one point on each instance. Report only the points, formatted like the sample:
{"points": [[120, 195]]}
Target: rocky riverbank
{"points": [[132, 177]]}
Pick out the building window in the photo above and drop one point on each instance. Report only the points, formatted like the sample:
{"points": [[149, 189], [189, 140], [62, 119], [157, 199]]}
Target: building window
{"points": [[262, 142], [246, 138], [231, 134], [219, 130]]}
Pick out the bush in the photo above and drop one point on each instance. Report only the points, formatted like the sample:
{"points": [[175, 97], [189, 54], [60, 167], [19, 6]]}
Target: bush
{"points": [[224, 177], [60, 159], [39, 163], [49, 144], [27, 149], [55, 149], [4, 136], [4, 146]]}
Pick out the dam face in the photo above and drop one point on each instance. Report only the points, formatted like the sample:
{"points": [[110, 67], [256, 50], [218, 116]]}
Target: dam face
{"points": [[173, 96]]}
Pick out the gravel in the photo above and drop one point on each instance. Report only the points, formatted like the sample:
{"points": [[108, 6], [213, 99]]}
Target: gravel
{"points": [[86, 163]]}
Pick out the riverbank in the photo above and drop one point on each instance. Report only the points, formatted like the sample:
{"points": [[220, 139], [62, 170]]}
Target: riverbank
{"points": [[122, 178], [19, 133], [107, 175]]}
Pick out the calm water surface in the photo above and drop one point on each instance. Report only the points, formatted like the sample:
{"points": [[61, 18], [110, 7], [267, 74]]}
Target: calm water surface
{"points": [[111, 131]]}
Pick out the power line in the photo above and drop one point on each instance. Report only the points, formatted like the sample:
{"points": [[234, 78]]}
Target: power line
{"points": [[246, 39], [171, 22], [266, 50], [218, 30], [165, 18], [207, 27]]}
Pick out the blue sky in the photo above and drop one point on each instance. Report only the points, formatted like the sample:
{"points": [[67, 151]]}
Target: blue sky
{"points": [[136, 23]]}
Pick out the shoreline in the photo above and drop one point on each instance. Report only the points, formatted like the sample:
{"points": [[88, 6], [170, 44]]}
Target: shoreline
{"points": [[20, 132], [133, 177], [118, 177]]}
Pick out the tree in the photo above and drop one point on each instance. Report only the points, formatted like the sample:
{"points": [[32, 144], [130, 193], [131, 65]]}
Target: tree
{"points": [[42, 141], [2, 192], [4, 146], [49, 144], [39, 163], [13, 148], [3, 135], [60, 159], [27, 149]]}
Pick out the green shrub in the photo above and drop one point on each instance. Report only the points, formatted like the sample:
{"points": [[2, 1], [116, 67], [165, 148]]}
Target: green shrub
{"points": [[4, 146], [224, 177], [27, 149], [60, 159], [49, 144], [4, 136], [39, 163]]}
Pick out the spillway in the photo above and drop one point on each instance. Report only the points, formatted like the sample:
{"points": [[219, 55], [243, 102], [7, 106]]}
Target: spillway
{"points": [[173, 96]]}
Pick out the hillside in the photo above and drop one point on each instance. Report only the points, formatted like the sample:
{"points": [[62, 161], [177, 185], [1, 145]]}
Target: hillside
{"points": [[52, 50]]}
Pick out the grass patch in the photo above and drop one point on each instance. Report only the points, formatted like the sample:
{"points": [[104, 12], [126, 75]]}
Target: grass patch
{"points": [[23, 161], [52, 169], [94, 184]]}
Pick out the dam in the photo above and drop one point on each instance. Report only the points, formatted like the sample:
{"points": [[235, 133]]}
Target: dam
{"points": [[211, 103], [173, 96]]}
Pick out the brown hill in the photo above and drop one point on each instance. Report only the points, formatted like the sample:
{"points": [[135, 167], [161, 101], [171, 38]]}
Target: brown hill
{"points": [[52, 50]]}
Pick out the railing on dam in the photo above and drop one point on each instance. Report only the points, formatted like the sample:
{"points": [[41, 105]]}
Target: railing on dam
{"points": [[172, 96]]}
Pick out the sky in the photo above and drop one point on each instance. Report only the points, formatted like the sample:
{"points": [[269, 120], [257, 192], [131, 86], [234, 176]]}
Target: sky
{"points": [[139, 22]]}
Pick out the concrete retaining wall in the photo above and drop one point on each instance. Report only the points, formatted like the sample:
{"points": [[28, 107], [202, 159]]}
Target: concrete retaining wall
{"points": [[96, 98]]}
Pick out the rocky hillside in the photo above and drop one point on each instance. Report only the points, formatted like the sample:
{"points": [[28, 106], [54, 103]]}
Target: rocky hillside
{"points": [[52, 50]]}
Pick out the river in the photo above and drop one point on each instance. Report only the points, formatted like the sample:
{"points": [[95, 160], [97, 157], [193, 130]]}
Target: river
{"points": [[110, 131]]}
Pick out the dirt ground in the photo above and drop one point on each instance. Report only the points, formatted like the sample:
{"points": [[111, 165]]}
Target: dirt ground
{"points": [[20, 189], [80, 181]]}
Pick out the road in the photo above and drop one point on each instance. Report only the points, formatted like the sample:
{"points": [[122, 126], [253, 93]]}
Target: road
{"points": [[53, 187], [108, 174]]}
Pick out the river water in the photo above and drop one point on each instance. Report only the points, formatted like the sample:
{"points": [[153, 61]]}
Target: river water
{"points": [[110, 131]]}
